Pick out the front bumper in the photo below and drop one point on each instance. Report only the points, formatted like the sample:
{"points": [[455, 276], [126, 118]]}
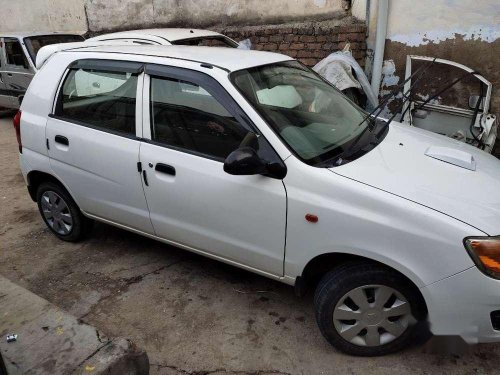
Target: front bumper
{"points": [[462, 305]]}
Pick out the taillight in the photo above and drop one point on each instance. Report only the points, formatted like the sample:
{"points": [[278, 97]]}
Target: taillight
{"points": [[17, 126]]}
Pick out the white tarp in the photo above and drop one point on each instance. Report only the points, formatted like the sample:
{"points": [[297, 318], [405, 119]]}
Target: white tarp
{"points": [[337, 69], [245, 44]]}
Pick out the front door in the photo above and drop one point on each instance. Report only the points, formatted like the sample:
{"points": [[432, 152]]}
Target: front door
{"points": [[93, 142], [193, 202]]}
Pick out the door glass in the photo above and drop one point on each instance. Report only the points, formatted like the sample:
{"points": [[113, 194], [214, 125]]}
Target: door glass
{"points": [[186, 116], [14, 54], [99, 98]]}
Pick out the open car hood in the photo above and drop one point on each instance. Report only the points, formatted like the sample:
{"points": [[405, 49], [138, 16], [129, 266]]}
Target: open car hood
{"points": [[433, 170]]}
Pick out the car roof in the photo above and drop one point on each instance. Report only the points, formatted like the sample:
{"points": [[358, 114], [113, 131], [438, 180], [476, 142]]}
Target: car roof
{"points": [[230, 59], [27, 34], [169, 34]]}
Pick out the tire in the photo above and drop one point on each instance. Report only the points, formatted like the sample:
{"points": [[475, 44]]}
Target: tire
{"points": [[350, 299], [61, 214]]}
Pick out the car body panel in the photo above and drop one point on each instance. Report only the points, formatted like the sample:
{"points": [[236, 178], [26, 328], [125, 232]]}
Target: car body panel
{"points": [[356, 219], [399, 166]]}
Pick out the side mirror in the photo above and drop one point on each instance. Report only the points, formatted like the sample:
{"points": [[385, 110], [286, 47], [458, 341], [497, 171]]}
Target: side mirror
{"points": [[245, 161]]}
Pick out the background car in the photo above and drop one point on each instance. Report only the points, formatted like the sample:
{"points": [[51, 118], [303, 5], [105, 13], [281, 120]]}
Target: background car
{"points": [[18, 53], [189, 37]]}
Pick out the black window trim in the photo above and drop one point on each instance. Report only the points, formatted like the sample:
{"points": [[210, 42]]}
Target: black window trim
{"points": [[104, 65], [94, 127]]}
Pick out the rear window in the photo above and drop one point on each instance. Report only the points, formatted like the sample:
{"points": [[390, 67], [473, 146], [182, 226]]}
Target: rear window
{"points": [[34, 43], [101, 99], [212, 41]]}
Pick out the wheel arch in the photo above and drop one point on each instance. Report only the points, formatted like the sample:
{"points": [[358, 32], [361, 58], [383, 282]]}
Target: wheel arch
{"points": [[35, 178], [317, 267]]}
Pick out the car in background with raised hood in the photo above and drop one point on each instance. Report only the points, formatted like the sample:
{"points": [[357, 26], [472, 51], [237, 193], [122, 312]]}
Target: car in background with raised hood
{"points": [[18, 53]]}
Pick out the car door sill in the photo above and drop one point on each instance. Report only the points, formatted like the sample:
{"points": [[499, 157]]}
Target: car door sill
{"points": [[285, 279]]}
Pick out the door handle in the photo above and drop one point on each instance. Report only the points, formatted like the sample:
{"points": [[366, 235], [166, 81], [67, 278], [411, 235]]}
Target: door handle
{"points": [[9, 74], [165, 168], [62, 140], [145, 176]]}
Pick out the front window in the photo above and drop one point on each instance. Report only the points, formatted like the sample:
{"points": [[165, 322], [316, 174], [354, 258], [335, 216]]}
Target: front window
{"points": [[317, 122], [186, 116], [99, 98], [34, 43]]}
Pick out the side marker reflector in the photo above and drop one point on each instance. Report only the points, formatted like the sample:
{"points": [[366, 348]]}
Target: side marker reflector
{"points": [[312, 218]]}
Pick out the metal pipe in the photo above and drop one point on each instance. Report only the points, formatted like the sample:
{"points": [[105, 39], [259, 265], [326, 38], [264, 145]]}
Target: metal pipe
{"points": [[378, 60]]}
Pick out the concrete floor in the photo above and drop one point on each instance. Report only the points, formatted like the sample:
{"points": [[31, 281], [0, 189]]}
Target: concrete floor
{"points": [[192, 315]]}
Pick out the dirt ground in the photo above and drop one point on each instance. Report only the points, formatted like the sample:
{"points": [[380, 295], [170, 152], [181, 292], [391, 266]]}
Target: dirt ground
{"points": [[192, 315]]}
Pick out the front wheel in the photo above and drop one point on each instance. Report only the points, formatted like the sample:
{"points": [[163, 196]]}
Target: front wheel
{"points": [[367, 310]]}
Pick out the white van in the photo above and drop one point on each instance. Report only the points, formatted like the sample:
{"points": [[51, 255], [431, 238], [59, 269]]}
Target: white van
{"points": [[253, 159]]}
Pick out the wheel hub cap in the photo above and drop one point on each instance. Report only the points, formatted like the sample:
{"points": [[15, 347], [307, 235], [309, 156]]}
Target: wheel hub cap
{"points": [[372, 315], [56, 213]]}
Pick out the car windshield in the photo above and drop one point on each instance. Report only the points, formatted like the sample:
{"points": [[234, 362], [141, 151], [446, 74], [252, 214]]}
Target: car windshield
{"points": [[313, 118], [34, 43], [208, 41]]}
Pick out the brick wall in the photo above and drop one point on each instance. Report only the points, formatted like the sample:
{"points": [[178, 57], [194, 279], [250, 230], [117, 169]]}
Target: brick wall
{"points": [[308, 43]]}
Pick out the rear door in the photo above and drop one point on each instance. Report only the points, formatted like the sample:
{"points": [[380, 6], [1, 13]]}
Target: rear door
{"points": [[93, 138], [192, 125], [18, 72]]}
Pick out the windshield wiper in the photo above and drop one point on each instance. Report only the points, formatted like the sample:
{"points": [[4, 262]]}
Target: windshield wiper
{"points": [[396, 91], [406, 96]]}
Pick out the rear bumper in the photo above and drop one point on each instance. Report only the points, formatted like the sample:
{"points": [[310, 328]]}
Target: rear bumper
{"points": [[462, 305]]}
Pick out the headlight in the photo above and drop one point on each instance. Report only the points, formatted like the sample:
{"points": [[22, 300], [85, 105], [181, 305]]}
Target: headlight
{"points": [[485, 251]]}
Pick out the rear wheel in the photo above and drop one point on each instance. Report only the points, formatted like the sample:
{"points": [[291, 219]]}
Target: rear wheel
{"points": [[367, 310], [61, 214]]}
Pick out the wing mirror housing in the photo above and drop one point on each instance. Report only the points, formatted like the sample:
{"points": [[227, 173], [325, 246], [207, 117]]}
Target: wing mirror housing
{"points": [[245, 161]]}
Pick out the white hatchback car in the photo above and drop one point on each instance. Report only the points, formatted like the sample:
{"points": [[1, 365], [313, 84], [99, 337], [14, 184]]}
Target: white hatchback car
{"points": [[253, 159]]}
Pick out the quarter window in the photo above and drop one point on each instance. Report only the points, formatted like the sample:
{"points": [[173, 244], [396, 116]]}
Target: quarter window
{"points": [[14, 53], [186, 116], [99, 98]]}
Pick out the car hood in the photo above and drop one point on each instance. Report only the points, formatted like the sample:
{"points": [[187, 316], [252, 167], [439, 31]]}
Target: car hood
{"points": [[438, 172]]}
